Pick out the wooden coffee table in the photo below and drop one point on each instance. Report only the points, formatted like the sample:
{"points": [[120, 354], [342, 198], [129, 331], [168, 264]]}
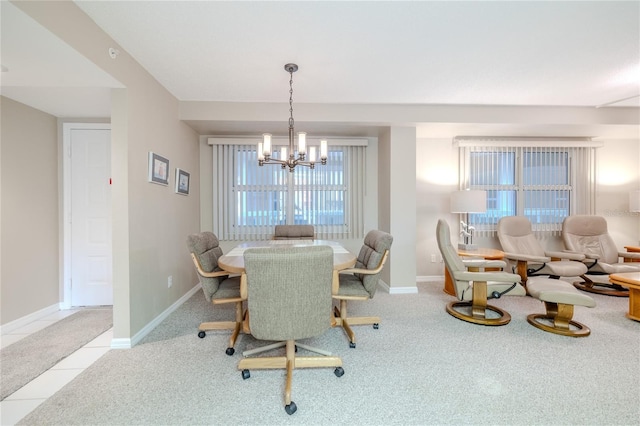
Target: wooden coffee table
{"points": [[631, 280], [485, 253]]}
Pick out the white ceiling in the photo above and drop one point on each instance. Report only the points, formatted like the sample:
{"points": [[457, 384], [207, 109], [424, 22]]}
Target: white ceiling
{"points": [[428, 53]]}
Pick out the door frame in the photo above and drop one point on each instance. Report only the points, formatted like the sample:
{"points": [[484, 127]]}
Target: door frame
{"points": [[66, 204]]}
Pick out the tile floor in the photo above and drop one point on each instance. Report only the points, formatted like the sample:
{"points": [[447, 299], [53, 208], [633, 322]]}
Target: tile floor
{"points": [[20, 403]]}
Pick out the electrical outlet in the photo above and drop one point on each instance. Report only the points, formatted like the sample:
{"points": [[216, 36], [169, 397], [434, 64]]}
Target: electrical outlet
{"points": [[433, 258], [169, 281]]}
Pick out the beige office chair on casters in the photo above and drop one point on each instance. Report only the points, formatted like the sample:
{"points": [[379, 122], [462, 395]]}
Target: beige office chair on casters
{"points": [[217, 286], [294, 232], [474, 288], [589, 236], [361, 282], [289, 298]]}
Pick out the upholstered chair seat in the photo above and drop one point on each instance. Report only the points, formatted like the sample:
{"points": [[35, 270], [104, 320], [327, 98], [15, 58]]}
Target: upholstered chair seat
{"points": [[589, 235], [474, 288], [361, 282], [522, 249], [288, 302], [217, 285]]}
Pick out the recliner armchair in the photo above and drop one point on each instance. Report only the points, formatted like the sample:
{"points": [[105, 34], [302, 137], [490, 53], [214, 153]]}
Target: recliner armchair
{"points": [[521, 247], [361, 282], [218, 287], [474, 288], [589, 235]]}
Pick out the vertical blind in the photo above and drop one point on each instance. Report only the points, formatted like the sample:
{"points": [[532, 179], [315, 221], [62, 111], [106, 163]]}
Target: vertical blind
{"points": [[543, 180], [250, 200]]}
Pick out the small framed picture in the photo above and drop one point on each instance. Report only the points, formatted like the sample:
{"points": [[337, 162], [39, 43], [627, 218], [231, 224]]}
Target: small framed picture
{"points": [[158, 169], [182, 182]]}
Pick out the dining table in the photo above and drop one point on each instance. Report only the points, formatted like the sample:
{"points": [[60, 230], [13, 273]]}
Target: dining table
{"points": [[233, 261]]}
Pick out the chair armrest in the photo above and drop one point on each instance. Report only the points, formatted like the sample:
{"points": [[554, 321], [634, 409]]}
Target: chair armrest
{"points": [[243, 287], [499, 276], [206, 274], [368, 271], [358, 271], [628, 255], [483, 263], [592, 256], [527, 258], [571, 255]]}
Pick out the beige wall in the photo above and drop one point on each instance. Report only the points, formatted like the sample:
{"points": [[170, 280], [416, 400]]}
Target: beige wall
{"points": [[150, 222], [437, 175], [29, 228]]}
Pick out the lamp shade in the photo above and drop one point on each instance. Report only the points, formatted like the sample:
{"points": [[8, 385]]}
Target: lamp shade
{"points": [[469, 201], [634, 201]]}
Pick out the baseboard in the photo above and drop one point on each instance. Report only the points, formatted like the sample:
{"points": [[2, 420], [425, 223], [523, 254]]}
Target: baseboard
{"points": [[129, 343], [35, 316], [397, 290], [403, 290]]}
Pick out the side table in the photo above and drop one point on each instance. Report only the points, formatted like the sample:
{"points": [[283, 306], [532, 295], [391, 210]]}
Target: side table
{"points": [[632, 249], [631, 280], [485, 253]]}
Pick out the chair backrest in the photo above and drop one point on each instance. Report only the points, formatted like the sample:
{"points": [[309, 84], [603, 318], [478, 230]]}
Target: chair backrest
{"points": [[289, 291], [371, 254], [206, 249], [450, 256], [589, 234], [294, 232], [516, 236]]}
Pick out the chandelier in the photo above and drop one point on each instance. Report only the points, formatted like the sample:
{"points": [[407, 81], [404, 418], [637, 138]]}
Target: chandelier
{"points": [[291, 160]]}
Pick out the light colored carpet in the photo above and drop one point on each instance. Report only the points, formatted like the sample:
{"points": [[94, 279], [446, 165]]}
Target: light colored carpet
{"points": [[422, 367], [31, 356]]}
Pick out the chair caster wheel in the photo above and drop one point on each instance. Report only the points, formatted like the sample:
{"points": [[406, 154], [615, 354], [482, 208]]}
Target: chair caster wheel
{"points": [[245, 374], [352, 345], [291, 408], [230, 351], [201, 334], [295, 347], [376, 326], [339, 372]]}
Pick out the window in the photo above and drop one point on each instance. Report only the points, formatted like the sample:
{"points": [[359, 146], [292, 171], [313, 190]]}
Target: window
{"points": [[544, 181], [330, 197]]}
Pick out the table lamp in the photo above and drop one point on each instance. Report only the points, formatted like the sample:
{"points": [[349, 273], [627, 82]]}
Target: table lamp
{"points": [[634, 201], [465, 202]]}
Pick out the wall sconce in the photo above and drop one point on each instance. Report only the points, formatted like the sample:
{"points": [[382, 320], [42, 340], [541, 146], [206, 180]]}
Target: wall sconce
{"points": [[465, 202]]}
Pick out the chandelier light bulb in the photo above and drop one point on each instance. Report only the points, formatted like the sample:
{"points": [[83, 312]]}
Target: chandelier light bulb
{"points": [[266, 141], [302, 143]]}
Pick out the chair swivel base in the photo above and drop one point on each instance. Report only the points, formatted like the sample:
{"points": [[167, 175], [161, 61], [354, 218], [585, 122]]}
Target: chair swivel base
{"points": [[340, 319], [560, 316], [580, 331], [478, 313], [237, 326], [289, 362], [602, 288]]}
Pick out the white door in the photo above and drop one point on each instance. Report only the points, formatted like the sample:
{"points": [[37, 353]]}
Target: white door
{"points": [[90, 217]]}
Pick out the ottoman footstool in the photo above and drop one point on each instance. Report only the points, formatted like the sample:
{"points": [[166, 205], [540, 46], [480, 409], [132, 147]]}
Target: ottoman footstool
{"points": [[559, 298]]}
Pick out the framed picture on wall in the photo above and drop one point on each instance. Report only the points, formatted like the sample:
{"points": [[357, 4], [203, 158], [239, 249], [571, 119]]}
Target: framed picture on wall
{"points": [[182, 182], [158, 169]]}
